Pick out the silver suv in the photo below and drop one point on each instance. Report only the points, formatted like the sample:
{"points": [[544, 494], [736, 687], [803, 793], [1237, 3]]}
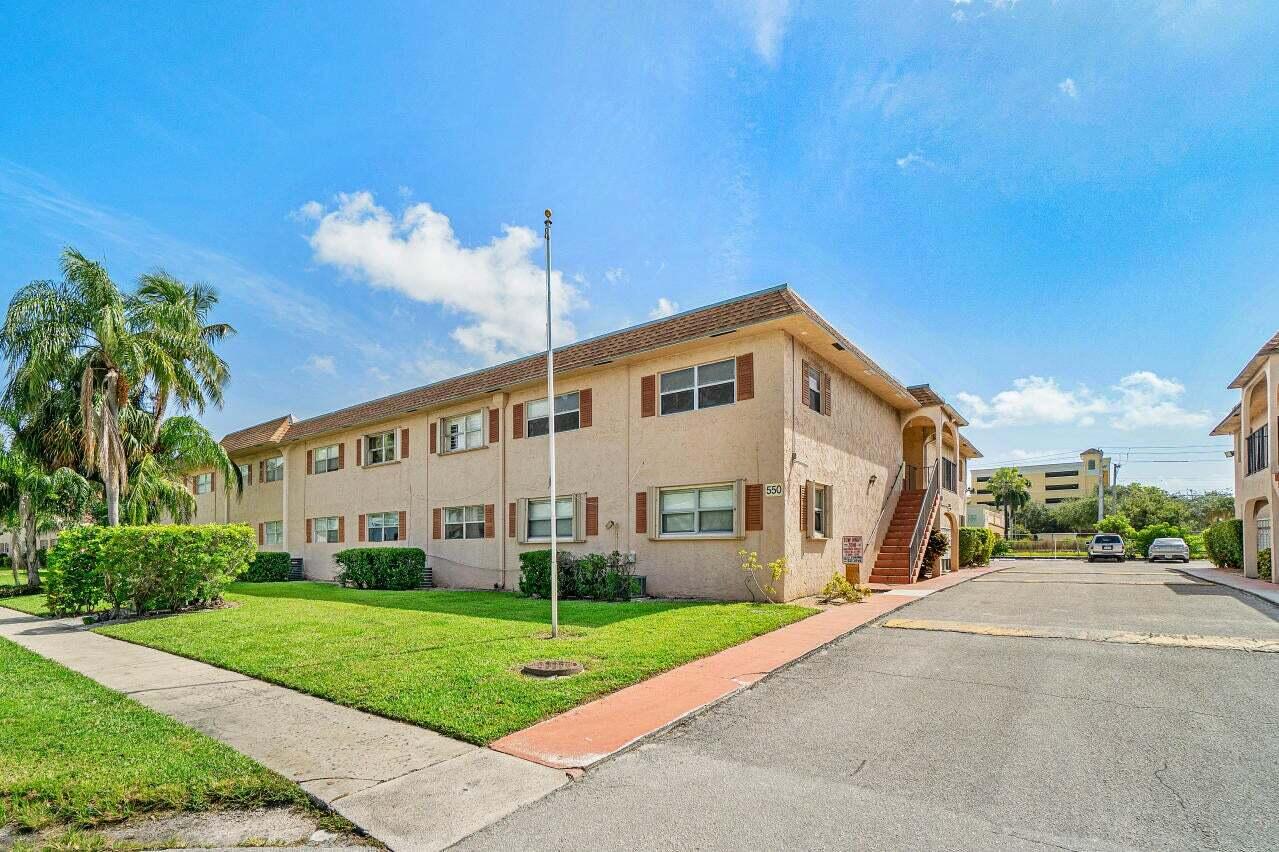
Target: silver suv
{"points": [[1106, 546]]}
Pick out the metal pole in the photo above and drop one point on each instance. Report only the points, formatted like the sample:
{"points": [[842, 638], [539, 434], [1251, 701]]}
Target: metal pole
{"points": [[550, 406], [1101, 492]]}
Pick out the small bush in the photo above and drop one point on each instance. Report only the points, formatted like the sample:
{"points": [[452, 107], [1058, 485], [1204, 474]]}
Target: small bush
{"points": [[838, 588], [1263, 564], [976, 545], [1224, 543], [596, 576], [1196, 545], [268, 566], [145, 568], [1001, 547], [394, 568], [1140, 543]]}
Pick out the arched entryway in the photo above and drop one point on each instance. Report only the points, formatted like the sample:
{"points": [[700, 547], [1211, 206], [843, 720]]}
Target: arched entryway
{"points": [[951, 525], [1258, 534], [919, 449]]}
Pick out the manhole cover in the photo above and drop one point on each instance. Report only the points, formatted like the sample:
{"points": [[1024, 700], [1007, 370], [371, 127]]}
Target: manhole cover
{"points": [[551, 668]]}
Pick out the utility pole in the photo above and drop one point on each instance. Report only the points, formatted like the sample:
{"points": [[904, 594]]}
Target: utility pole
{"points": [[550, 410], [1101, 492]]}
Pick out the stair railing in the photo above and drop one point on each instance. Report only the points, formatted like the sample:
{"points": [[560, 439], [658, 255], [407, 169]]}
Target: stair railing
{"points": [[896, 485], [922, 523]]}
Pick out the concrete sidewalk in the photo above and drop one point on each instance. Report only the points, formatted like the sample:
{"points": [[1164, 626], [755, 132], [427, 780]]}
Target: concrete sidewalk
{"points": [[411, 788], [1205, 571], [585, 735]]}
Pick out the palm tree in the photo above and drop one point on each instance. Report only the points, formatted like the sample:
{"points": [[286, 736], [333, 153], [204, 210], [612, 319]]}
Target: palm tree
{"points": [[1011, 491], [84, 333], [42, 497], [159, 459]]}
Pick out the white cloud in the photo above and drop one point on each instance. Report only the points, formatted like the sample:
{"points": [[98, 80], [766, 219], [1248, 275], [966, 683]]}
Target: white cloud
{"points": [[1149, 401], [914, 158], [1141, 400], [1034, 400], [766, 20], [321, 365], [309, 212], [665, 308], [1068, 88], [499, 287], [614, 274]]}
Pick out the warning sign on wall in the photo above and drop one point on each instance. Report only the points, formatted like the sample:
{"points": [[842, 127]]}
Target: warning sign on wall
{"points": [[852, 550]]}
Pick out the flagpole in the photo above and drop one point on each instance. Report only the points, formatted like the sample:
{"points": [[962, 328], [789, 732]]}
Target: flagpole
{"points": [[550, 411]]}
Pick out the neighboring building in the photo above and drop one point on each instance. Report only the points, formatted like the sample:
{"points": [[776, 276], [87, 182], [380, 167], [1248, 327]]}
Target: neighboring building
{"points": [[985, 517], [1253, 426], [751, 424], [1052, 483]]}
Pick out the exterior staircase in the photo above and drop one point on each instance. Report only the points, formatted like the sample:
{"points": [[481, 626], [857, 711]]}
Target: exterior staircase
{"points": [[893, 563]]}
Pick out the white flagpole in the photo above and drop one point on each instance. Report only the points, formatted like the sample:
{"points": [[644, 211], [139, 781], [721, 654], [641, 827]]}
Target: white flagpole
{"points": [[550, 406]]}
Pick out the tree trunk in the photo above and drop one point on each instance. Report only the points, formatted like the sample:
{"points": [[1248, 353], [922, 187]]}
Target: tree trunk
{"points": [[27, 524], [113, 501], [13, 555]]}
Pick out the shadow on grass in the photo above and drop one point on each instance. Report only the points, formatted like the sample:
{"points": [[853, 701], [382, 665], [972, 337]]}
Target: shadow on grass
{"points": [[506, 606]]}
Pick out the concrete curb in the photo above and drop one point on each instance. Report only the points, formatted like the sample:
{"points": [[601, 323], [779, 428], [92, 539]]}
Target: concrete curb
{"points": [[1230, 581]]}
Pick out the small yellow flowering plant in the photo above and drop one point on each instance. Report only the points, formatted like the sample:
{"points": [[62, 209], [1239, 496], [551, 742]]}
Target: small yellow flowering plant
{"points": [[776, 570]]}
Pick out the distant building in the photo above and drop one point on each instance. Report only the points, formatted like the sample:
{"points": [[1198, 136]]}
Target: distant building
{"points": [[1052, 483], [985, 517]]}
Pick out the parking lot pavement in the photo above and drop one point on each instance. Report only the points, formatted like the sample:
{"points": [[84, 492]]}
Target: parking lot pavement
{"points": [[915, 739]]}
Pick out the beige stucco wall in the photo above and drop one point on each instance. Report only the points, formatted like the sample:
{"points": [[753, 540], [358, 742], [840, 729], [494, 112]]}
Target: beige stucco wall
{"points": [[1257, 494]]}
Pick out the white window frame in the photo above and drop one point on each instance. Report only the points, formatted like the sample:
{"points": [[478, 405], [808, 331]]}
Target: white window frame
{"points": [[273, 533], [326, 533], [529, 417], [466, 520], [697, 386], [697, 511], [466, 434], [813, 385], [386, 447], [385, 521], [202, 484], [819, 519], [560, 500], [330, 459], [274, 469]]}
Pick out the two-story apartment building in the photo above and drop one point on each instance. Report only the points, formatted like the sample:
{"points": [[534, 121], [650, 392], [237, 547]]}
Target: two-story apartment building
{"points": [[1252, 426], [751, 423]]}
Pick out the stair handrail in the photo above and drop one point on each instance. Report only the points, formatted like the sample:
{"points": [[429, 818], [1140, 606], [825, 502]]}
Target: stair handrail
{"points": [[898, 481], [926, 509]]}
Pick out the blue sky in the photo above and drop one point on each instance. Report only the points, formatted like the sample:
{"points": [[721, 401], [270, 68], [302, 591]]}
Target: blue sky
{"points": [[1059, 214]]}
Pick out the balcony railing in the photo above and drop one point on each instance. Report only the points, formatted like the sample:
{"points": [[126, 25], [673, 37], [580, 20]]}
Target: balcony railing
{"points": [[949, 477], [1259, 450]]}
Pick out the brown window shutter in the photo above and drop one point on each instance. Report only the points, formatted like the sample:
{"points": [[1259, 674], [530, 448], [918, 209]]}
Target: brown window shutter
{"points": [[433, 450], [249, 481], [359, 454], [261, 534], [746, 376], [310, 525], [584, 405], [641, 512], [803, 507], [262, 471], [648, 396], [517, 420], [495, 425], [310, 462], [437, 523], [404, 525], [341, 455], [490, 518], [404, 442], [592, 516], [826, 393], [341, 529], [803, 382], [754, 508], [510, 520], [362, 527]]}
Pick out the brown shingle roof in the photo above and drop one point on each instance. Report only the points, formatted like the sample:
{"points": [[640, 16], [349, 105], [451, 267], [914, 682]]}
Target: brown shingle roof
{"points": [[1229, 424], [925, 395], [1271, 347], [270, 432]]}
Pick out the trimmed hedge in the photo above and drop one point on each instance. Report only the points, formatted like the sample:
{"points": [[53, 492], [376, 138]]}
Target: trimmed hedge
{"points": [[976, 545], [145, 568], [596, 575], [1263, 563], [269, 566], [1224, 543], [393, 568]]}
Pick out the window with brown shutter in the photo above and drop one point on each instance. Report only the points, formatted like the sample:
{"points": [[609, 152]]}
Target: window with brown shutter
{"points": [[437, 523], [495, 425], [310, 463], [404, 443], [310, 525], [261, 534], [641, 512], [517, 420], [433, 445], [363, 527], [754, 508], [746, 376], [359, 451], [341, 455], [490, 519], [592, 516], [248, 468], [404, 525], [262, 471], [803, 507], [826, 393], [341, 529], [585, 404], [510, 520], [648, 396]]}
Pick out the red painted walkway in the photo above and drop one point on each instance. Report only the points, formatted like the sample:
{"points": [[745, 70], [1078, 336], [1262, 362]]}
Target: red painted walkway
{"points": [[586, 735]]}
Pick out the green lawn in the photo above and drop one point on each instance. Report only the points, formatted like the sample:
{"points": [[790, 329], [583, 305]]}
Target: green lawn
{"points": [[74, 752], [30, 604], [448, 660]]}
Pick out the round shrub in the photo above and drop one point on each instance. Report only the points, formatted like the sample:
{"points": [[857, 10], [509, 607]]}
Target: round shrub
{"points": [[268, 566], [393, 568], [1224, 543], [976, 545]]}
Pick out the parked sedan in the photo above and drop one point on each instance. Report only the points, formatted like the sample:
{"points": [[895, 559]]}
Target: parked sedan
{"points": [[1106, 546], [1175, 549]]}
